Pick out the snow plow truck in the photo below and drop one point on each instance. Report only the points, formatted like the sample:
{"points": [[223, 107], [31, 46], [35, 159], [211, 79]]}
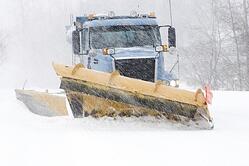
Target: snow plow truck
{"points": [[119, 71]]}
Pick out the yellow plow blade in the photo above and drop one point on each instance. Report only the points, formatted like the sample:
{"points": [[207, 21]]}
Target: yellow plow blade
{"points": [[98, 94], [43, 103]]}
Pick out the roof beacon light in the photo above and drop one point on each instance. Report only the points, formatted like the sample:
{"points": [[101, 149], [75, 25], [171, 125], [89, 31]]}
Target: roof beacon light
{"points": [[152, 14], [108, 51], [91, 16]]}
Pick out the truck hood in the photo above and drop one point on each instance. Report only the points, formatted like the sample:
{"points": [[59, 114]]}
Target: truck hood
{"points": [[135, 53]]}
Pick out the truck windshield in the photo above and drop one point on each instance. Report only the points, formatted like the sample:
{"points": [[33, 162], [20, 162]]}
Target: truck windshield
{"points": [[124, 36]]}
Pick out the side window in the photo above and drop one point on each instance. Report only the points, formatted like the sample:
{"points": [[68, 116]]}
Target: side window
{"points": [[76, 42], [85, 40]]}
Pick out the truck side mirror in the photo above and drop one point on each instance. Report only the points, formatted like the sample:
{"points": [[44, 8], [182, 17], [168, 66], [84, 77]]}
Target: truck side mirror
{"points": [[76, 42], [172, 37]]}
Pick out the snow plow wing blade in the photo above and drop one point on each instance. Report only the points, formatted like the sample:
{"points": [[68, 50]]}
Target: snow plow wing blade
{"points": [[99, 94], [43, 103]]}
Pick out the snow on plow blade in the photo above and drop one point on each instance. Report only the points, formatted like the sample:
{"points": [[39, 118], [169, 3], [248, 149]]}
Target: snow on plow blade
{"points": [[99, 94], [43, 103]]}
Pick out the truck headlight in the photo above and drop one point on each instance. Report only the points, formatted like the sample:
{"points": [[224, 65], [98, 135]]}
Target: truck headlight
{"points": [[162, 48], [108, 51], [175, 83]]}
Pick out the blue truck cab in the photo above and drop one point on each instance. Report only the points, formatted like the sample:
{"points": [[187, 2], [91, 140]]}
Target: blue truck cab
{"points": [[131, 45]]}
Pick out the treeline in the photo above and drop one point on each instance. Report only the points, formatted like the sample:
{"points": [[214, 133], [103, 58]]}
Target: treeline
{"points": [[218, 53]]}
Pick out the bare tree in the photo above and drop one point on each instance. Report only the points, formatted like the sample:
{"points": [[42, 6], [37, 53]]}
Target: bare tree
{"points": [[245, 7], [235, 37], [203, 57], [219, 52], [216, 45]]}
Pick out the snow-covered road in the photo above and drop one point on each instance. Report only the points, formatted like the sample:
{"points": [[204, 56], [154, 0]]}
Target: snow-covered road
{"points": [[27, 139]]}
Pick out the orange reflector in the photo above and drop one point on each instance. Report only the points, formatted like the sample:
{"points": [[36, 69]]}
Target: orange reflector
{"points": [[105, 51], [165, 48], [209, 94], [152, 14], [91, 16]]}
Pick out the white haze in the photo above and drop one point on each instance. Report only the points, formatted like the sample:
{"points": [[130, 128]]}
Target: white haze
{"points": [[36, 33]]}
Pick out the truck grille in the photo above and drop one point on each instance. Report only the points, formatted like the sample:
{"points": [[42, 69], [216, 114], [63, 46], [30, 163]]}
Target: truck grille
{"points": [[143, 69]]}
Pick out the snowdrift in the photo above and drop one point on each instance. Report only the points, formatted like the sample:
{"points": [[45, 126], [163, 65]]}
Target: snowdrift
{"points": [[28, 139]]}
